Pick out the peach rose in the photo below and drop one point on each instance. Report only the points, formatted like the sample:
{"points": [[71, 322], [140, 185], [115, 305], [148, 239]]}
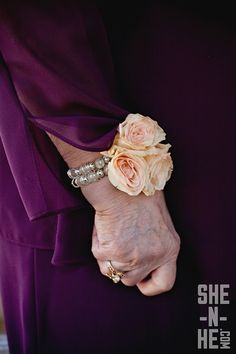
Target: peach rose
{"points": [[128, 173], [139, 132], [160, 168]]}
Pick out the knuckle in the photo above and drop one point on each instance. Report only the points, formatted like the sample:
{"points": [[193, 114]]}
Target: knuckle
{"points": [[174, 248], [99, 254], [105, 243], [133, 263], [165, 285], [178, 243], [103, 269], [95, 252], [102, 250], [128, 282]]}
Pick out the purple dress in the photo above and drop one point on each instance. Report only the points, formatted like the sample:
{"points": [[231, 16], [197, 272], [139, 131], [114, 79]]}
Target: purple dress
{"points": [[76, 69]]}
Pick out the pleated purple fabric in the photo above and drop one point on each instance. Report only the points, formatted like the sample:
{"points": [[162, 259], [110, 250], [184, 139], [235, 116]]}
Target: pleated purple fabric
{"points": [[76, 69]]}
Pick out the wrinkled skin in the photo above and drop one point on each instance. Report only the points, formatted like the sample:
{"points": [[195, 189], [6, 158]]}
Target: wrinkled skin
{"points": [[136, 234]]}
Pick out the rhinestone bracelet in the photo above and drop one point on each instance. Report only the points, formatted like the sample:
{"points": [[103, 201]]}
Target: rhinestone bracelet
{"points": [[89, 172]]}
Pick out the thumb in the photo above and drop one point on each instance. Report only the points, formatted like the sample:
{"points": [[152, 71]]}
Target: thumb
{"points": [[161, 280]]}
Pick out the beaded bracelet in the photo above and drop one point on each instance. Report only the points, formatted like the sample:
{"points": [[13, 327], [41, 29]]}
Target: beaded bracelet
{"points": [[89, 172]]}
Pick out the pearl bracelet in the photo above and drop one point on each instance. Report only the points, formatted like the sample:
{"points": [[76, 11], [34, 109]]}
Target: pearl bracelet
{"points": [[89, 172]]}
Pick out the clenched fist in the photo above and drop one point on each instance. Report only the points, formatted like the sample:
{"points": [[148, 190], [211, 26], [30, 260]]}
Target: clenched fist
{"points": [[136, 234]]}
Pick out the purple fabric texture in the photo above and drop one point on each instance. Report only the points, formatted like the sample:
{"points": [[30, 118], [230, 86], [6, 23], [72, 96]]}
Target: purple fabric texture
{"points": [[59, 310], [71, 69], [72, 94], [73, 87]]}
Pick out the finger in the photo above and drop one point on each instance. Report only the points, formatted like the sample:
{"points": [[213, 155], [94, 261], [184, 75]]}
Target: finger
{"points": [[162, 280], [104, 267], [135, 276], [130, 278]]}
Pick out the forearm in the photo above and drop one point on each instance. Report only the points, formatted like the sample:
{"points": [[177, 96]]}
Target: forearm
{"points": [[73, 156]]}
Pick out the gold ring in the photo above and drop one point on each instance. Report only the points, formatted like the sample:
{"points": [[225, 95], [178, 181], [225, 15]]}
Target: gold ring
{"points": [[113, 274]]}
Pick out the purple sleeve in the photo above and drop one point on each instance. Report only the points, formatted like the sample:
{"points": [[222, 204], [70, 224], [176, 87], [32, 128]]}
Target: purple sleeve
{"points": [[56, 75]]}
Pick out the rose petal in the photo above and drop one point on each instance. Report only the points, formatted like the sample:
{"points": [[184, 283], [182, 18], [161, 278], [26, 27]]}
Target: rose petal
{"points": [[128, 173]]}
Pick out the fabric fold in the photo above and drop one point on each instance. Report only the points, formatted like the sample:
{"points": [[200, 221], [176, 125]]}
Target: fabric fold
{"points": [[73, 238], [59, 79], [42, 190], [86, 132]]}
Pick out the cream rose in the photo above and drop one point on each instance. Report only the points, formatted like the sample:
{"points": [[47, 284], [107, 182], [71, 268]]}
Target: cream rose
{"points": [[139, 162], [139, 132], [128, 173], [160, 168]]}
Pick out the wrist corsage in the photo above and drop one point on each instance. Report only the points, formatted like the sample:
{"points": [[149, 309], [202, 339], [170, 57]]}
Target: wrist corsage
{"points": [[137, 161]]}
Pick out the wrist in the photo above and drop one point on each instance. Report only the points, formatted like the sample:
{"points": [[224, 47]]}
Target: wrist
{"points": [[101, 195], [80, 157], [89, 172]]}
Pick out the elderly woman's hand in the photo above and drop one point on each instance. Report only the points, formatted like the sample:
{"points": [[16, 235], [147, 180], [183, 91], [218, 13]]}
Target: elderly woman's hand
{"points": [[136, 234]]}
